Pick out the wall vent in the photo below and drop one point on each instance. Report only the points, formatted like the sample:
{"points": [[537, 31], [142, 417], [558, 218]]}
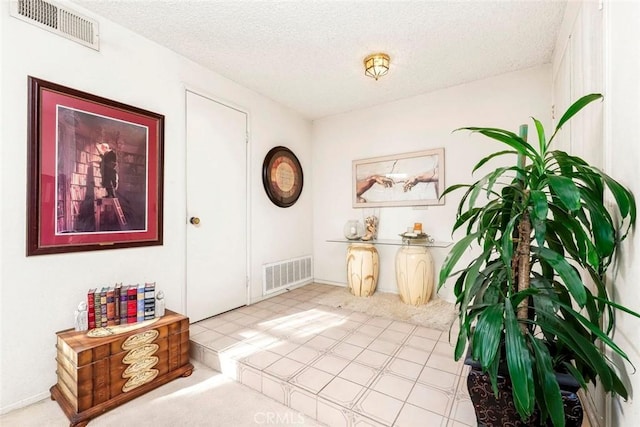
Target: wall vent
{"points": [[283, 274], [59, 20]]}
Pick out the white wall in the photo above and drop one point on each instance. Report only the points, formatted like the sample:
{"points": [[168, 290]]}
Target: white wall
{"points": [[622, 65], [40, 293], [414, 124]]}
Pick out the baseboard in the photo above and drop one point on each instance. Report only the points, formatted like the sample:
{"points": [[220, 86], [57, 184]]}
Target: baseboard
{"points": [[393, 290], [591, 418], [330, 282], [25, 402], [257, 299]]}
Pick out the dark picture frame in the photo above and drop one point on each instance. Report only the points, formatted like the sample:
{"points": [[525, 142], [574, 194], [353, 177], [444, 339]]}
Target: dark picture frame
{"points": [[408, 179], [95, 172], [282, 176]]}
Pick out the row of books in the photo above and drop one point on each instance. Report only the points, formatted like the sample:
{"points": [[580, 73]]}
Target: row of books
{"points": [[120, 305]]}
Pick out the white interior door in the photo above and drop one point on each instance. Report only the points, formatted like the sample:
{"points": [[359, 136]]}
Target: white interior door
{"points": [[217, 201]]}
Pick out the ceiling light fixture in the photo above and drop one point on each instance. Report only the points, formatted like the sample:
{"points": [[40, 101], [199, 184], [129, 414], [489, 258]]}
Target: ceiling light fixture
{"points": [[376, 65]]}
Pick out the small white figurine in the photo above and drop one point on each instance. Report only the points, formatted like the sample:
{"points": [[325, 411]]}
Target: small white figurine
{"points": [[81, 317], [160, 304]]}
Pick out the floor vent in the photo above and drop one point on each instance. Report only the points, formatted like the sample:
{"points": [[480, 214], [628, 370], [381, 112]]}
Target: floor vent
{"points": [[59, 20], [283, 274]]}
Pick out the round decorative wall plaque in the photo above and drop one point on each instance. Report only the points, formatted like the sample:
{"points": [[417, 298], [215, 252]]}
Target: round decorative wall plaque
{"points": [[282, 176]]}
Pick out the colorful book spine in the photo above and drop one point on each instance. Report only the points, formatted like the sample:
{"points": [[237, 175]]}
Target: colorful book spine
{"points": [[132, 304], [111, 307], [140, 312], [98, 307], [103, 305], [123, 304], [149, 300], [91, 308], [116, 302]]}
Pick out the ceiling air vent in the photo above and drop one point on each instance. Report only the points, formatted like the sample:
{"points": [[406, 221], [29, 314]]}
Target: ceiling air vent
{"points": [[57, 19]]}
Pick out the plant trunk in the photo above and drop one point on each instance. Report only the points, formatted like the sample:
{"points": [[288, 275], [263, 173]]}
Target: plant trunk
{"points": [[523, 264]]}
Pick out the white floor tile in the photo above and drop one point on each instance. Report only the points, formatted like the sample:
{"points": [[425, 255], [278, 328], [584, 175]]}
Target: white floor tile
{"points": [[341, 391], [445, 363], [261, 359], [432, 334], [359, 374], [312, 379], [431, 399], [372, 358], [305, 402], [304, 354], [284, 368], [414, 416], [382, 322], [385, 347], [413, 355], [439, 379], [346, 350], [463, 411], [393, 385], [380, 407], [404, 368], [360, 339], [341, 367], [333, 415], [331, 363], [424, 344]]}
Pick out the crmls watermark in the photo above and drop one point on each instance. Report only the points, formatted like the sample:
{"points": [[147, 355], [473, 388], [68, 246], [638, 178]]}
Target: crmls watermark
{"points": [[277, 418]]}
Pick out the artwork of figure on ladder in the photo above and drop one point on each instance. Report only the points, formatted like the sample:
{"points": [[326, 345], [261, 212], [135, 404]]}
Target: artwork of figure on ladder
{"points": [[95, 172]]}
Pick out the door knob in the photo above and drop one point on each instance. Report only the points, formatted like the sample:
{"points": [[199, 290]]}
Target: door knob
{"points": [[194, 220]]}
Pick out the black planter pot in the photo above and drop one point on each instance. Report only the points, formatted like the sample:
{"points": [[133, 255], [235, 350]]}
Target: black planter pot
{"points": [[500, 411]]}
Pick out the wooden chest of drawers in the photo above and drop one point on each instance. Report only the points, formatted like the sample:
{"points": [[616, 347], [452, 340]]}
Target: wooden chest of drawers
{"points": [[98, 374]]}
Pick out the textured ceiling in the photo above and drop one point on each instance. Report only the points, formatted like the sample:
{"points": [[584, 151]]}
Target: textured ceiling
{"points": [[307, 55]]}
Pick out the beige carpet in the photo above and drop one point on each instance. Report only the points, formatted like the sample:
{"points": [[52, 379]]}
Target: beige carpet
{"points": [[205, 399], [436, 314]]}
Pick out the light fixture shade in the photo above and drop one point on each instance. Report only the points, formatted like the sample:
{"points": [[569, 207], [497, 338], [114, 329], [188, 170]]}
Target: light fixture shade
{"points": [[376, 65]]}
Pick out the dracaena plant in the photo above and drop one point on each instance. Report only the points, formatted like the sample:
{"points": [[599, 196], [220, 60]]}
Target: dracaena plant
{"points": [[543, 231]]}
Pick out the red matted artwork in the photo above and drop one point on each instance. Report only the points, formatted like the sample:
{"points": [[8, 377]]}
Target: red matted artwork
{"points": [[95, 172]]}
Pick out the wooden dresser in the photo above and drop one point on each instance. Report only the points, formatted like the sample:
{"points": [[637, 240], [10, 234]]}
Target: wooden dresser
{"points": [[96, 374]]}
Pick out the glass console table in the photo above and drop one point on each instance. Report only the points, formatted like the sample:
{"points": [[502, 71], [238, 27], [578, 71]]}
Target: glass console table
{"points": [[413, 265]]}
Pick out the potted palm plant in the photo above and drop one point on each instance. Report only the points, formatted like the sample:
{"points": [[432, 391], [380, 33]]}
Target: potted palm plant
{"points": [[533, 301]]}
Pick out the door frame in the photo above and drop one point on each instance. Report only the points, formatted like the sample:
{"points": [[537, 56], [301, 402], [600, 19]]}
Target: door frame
{"points": [[205, 94]]}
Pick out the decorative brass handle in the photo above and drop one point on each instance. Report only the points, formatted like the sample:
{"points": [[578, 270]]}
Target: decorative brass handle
{"points": [[194, 220]]}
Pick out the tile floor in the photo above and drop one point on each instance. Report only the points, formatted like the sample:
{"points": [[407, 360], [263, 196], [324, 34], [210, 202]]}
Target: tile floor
{"points": [[341, 367]]}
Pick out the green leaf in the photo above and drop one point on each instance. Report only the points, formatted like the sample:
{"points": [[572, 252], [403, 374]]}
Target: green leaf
{"points": [[602, 226], [570, 278], [595, 329], [539, 214], [461, 344], [546, 377], [519, 363], [491, 156], [461, 219], [580, 347], [454, 256], [455, 187], [618, 306], [539, 204], [541, 136], [507, 137], [487, 335], [471, 282], [624, 198], [540, 228], [574, 109], [566, 190], [507, 242]]}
